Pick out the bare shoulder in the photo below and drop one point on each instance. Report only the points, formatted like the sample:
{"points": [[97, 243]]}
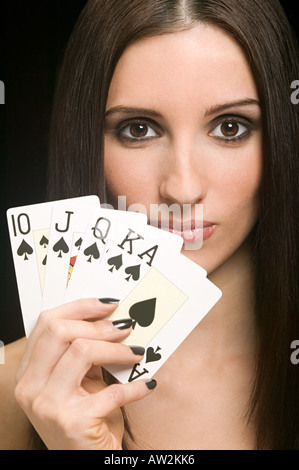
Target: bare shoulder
{"points": [[14, 426]]}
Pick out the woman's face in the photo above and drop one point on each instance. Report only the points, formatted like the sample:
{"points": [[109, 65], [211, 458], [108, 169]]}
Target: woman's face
{"points": [[183, 127]]}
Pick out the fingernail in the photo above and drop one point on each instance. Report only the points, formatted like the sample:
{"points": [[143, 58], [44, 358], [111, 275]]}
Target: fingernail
{"points": [[109, 300], [122, 324], [151, 384], [138, 350]]}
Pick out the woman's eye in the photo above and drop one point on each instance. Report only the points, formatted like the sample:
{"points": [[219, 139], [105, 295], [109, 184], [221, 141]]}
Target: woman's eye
{"points": [[137, 131], [230, 130]]}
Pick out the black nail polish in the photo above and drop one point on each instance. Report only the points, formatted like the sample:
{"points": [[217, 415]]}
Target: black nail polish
{"points": [[138, 350], [109, 300], [122, 324], [151, 384]]}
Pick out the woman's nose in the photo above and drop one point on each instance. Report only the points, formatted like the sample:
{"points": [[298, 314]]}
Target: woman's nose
{"points": [[184, 179]]}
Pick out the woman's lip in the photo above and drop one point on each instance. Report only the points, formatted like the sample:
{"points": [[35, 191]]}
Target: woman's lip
{"points": [[191, 231], [197, 234]]}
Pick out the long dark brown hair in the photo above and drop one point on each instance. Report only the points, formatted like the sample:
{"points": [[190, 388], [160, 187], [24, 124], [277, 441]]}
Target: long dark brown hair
{"points": [[104, 29]]}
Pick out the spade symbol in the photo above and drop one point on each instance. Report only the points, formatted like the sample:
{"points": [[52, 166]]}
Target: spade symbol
{"points": [[133, 271], [44, 241], [78, 243], [61, 246], [92, 251], [143, 312], [151, 355], [116, 262], [44, 262], [24, 249]]}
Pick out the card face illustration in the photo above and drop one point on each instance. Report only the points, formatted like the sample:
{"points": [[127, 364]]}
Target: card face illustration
{"points": [[29, 235], [41, 242], [150, 305], [186, 295], [29, 230], [70, 249], [113, 269], [76, 243], [69, 219], [104, 225]]}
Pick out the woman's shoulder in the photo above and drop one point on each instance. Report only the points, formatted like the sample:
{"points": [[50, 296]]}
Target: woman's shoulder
{"points": [[14, 426]]}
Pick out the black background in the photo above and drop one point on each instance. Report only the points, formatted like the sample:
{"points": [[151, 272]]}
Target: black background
{"points": [[33, 35]]}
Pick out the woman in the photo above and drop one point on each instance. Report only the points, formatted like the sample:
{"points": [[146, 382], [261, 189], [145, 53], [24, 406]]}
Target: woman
{"points": [[187, 102]]}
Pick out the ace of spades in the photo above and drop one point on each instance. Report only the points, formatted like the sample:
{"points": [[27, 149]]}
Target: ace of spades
{"points": [[167, 304], [150, 305], [143, 312]]}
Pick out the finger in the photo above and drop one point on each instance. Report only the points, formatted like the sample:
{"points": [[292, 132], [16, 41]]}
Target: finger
{"points": [[83, 309], [55, 341], [111, 398], [81, 356]]}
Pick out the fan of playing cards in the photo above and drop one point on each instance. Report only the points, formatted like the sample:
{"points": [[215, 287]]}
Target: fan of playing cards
{"points": [[74, 248]]}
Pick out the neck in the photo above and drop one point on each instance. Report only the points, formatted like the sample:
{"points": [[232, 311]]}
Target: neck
{"points": [[228, 330]]}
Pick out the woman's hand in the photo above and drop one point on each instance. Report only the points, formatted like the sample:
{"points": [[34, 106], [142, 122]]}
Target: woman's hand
{"points": [[60, 385]]}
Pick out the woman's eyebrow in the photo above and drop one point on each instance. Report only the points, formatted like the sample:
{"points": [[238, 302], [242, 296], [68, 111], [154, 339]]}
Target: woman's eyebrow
{"points": [[131, 110], [232, 104], [127, 110]]}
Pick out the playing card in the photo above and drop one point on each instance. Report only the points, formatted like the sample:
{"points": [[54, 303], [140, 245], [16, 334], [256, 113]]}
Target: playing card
{"points": [[104, 225], [146, 248], [126, 261], [152, 303], [29, 235], [167, 304], [68, 224], [29, 228]]}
